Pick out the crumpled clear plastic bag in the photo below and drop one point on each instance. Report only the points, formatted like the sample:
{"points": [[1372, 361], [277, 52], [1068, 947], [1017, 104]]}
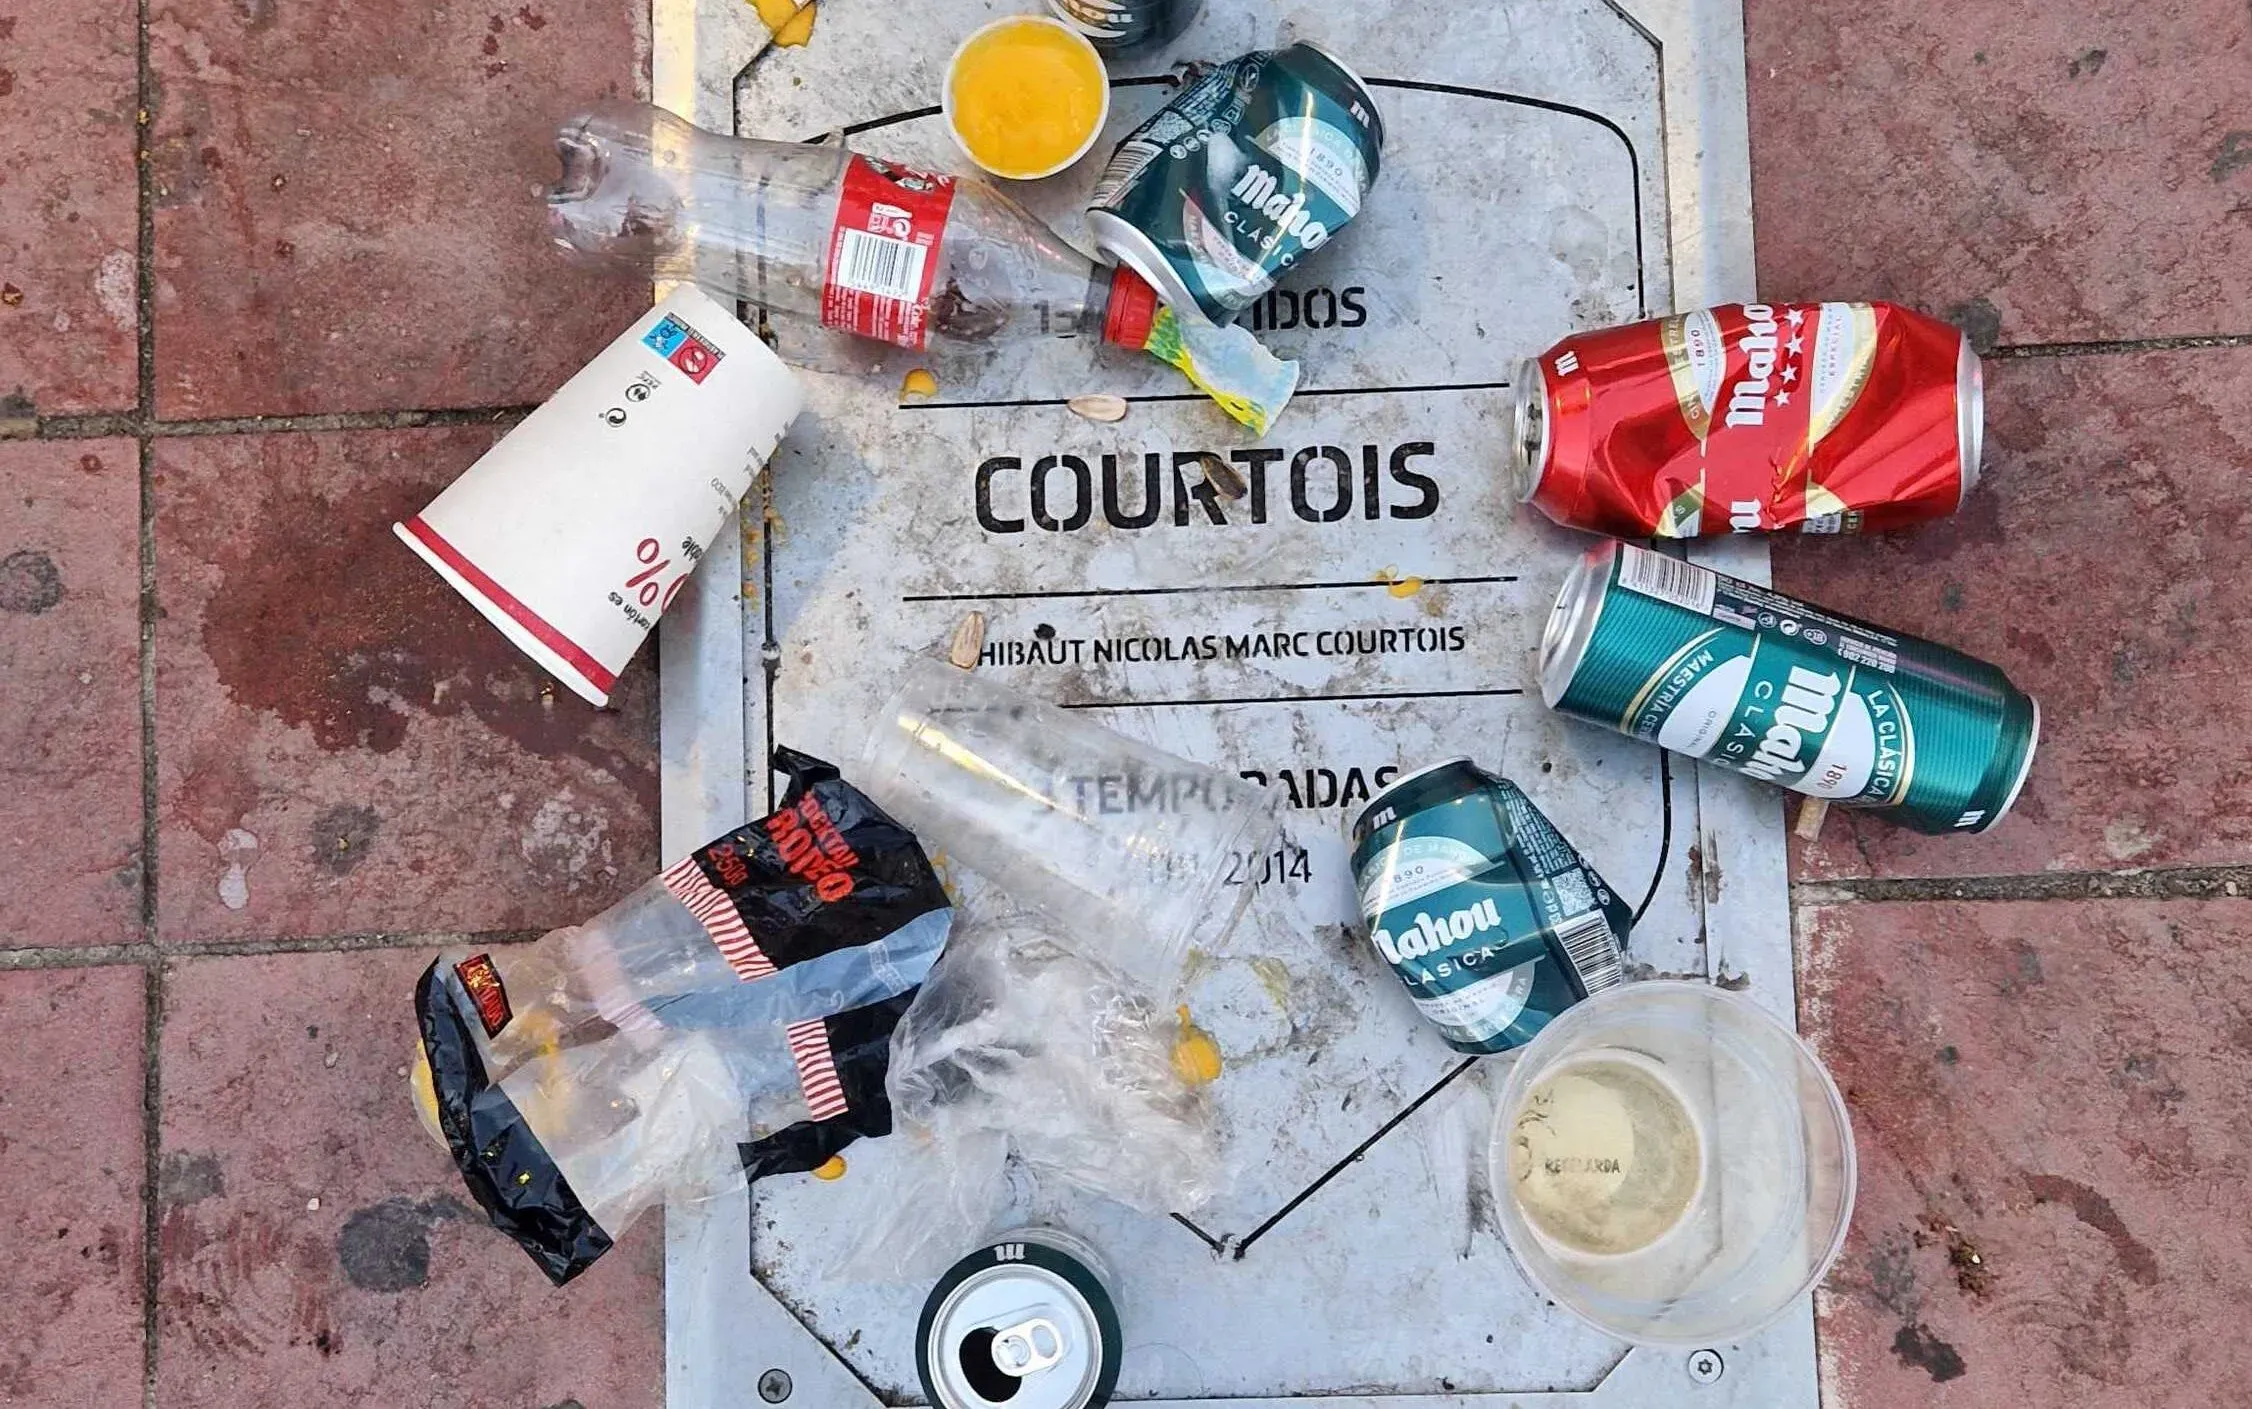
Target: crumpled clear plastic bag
{"points": [[1016, 1048]]}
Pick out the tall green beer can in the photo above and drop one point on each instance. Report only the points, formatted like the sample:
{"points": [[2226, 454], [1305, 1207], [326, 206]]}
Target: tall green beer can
{"points": [[1785, 692]]}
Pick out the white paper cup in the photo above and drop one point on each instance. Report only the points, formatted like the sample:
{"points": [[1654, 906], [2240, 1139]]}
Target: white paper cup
{"points": [[573, 534]]}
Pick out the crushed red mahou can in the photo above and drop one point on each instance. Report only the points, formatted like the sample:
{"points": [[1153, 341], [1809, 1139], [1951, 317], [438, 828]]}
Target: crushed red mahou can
{"points": [[1751, 417]]}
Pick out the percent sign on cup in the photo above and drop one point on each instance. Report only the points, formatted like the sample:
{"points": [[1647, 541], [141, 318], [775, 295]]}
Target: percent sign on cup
{"points": [[644, 583]]}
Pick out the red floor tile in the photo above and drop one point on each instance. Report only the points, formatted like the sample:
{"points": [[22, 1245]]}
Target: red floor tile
{"points": [[2056, 1150], [69, 301], [70, 693], [345, 217], [318, 1248], [343, 744], [2044, 172], [70, 1188], [2102, 565]]}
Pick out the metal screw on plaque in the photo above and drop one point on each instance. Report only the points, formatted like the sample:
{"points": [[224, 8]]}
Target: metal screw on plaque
{"points": [[774, 1386], [1705, 1366]]}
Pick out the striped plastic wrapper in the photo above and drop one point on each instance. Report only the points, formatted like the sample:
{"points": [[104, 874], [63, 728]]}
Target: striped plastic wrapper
{"points": [[730, 1018]]}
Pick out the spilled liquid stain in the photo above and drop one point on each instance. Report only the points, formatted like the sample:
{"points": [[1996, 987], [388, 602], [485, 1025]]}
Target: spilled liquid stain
{"points": [[1274, 977], [323, 618], [30, 583], [1399, 586], [341, 837], [385, 1247]]}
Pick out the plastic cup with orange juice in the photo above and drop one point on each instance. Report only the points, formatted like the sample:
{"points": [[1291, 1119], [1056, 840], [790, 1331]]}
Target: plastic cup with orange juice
{"points": [[1025, 97]]}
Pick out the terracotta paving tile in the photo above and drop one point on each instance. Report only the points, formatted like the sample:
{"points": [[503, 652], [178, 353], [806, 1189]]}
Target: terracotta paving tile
{"points": [[2056, 1150], [345, 217], [2101, 563], [69, 310], [70, 693], [71, 1162], [343, 744], [318, 1247], [2042, 173]]}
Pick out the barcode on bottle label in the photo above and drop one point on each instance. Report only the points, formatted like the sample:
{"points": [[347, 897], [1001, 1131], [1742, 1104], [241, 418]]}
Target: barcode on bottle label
{"points": [[1587, 943], [885, 251], [1124, 165], [879, 265], [1667, 579]]}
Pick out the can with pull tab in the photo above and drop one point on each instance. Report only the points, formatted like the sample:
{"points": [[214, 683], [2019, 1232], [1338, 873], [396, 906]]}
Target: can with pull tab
{"points": [[1025, 1321]]}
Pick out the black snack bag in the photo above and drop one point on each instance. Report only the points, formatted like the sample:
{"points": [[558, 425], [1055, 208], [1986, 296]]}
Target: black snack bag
{"points": [[772, 893], [628, 1056], [504, 1164], [859, 1047]]}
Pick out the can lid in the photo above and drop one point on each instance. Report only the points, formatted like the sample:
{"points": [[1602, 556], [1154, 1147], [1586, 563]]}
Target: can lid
{"points": [[1021, 1323], [1970, 416], [1385, 795], [1528, 430], [1120, 241], [1571, 623]]}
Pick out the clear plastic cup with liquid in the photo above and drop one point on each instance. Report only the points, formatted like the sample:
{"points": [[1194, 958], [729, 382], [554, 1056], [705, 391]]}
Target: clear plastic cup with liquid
{"points": [[1124, 847], [1673, 1164]]}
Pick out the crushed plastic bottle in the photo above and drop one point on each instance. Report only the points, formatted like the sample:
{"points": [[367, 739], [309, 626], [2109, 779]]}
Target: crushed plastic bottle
{"points": [[814, 230]]}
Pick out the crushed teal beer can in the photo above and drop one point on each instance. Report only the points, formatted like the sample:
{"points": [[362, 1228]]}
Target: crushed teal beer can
{"points": [[1492, 920], [1785, 692], [1249, 169]]}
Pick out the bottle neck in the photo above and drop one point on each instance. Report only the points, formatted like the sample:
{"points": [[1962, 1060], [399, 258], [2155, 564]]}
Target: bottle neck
{"points": [[1123, 305]]}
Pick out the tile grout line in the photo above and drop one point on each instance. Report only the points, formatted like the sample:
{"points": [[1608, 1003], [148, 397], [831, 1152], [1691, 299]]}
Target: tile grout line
{"points": [[2168, 883], [152, 1026], [145, 425], [152, 1157], [100, 955], [2098, 348]]}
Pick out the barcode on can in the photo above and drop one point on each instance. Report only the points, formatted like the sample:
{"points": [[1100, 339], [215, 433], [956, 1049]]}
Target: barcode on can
{"points": [[880, 265], [1124, 165], [1587, 943], [1667, 579]]}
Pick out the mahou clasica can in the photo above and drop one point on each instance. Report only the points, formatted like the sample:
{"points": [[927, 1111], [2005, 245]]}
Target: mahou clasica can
{"points": [[1751, 417], [1787, 693], [1493, 921], [1248, 170]]}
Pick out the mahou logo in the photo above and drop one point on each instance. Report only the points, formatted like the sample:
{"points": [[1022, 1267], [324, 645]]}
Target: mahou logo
{"points": [[1747, 399], [1258, 189], [1429, 935], [1810, 698]]}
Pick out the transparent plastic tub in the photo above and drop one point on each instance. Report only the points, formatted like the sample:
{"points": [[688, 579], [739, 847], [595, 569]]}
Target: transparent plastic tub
{"points": [[1673, 1164], [1122, 846]]}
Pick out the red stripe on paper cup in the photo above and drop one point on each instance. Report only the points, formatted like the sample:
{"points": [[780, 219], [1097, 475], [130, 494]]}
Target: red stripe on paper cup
{"points": [[569, 660]]}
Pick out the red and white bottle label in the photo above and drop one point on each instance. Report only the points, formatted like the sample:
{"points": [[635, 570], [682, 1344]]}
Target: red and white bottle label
{"points": [[883, 253]]}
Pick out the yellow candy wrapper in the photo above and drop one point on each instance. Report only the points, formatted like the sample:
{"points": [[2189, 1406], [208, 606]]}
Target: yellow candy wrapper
{"points": [[1227, 364]]}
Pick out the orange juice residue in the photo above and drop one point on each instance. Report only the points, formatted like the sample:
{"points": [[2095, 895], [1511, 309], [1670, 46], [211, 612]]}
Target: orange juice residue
{"points": [[1027, 95]]}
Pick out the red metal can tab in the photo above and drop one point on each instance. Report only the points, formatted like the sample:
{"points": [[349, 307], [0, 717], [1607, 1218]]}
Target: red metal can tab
{"points": [[1828, 418], [884, 251]]}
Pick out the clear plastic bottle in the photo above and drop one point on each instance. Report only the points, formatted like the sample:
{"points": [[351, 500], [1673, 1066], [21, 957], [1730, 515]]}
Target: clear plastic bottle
{"points": [[648, 194], [816, 231]]}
